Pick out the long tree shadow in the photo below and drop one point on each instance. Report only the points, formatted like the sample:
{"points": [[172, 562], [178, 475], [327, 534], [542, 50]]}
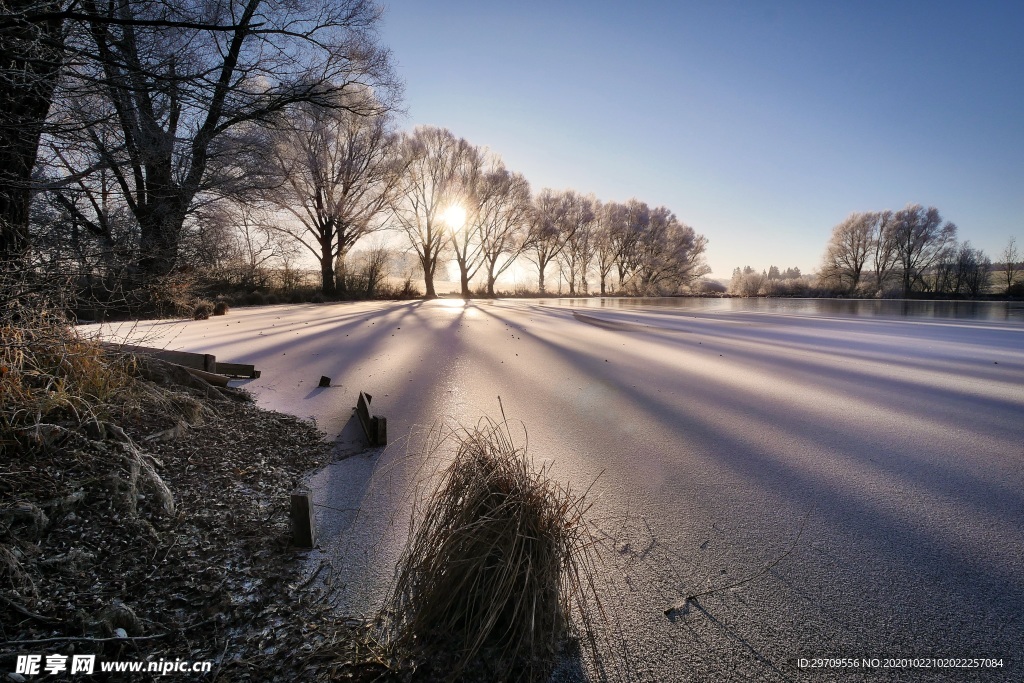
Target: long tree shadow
{"points": [[996, 587]]}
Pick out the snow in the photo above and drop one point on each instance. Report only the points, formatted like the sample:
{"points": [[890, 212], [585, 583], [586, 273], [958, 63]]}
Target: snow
{"points": [[712, 435]]}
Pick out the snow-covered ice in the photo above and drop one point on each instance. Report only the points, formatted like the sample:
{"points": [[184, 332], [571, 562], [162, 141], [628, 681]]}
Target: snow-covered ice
{"points": [[713, 436]]}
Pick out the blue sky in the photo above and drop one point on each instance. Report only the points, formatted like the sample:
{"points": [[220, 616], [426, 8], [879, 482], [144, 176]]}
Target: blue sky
{"points": [[761, 124]]}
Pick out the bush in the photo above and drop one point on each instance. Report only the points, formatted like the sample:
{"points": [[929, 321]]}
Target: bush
{"points": [[221, 308], [202, 310], [707, 287], [255, 298], [317, 298], [170, 295]]}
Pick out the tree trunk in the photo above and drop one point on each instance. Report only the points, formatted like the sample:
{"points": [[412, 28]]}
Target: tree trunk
{"points": [[540, 278], [464, 281], [341, 273], [160, 225], [428, 278], [327, 285], [30, 63]]}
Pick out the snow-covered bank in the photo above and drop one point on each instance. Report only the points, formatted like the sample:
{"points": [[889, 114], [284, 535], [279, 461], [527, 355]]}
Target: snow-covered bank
{"points": [[713, 435]]}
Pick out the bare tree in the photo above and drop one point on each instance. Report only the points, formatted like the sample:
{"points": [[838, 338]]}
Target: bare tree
{"points": [[469, 210], [1011, 259], [187, 83], [369, 268], [610, 222], [884, 254], [627, 238], [432, 159], [547, 235], [670, 254], [256, 249], [848, 251], [31, 57], [338, 170], [580, 242], [972, 271], [496, 203], [920, 237], [504, 223]]}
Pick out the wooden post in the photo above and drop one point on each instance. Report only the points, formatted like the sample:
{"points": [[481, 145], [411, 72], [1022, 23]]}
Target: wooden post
{"points": [[303, 522], [375, 428]]}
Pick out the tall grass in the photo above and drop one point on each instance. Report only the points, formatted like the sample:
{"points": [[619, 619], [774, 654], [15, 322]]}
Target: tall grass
{"points": [[499, 569], [48, 372]]}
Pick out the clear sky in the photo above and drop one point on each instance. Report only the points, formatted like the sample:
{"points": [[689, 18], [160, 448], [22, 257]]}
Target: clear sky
{"points": [[762, 124]]}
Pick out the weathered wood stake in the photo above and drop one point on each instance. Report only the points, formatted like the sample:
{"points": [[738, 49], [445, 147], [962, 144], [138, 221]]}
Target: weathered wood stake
{"points": [[375, 428], [303, 522]]}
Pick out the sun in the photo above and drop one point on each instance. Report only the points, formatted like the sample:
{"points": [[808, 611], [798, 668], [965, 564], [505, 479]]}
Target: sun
{"points": [[454, 216]]}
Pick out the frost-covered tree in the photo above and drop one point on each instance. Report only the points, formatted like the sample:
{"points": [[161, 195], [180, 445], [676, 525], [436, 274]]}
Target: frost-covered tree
{"points": [[336, 173], [577, 224], [920, 236], [848, 251], [546, 237], [627, 238], [670, 255], [610, 223]]}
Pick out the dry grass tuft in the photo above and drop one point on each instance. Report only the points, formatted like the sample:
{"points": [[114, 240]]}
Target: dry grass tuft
{"points": [[48, 372], [53, 379], [497, 567]]}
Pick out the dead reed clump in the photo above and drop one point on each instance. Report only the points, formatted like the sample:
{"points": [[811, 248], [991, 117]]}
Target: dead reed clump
{"points": [[498, 572], [202, 310]]}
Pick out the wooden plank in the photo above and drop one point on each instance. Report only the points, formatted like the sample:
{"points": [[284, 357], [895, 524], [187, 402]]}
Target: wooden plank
{"points": [[199, 361], [375, 428], [365, 418], [212, 378], [203, 362], [303, 521], [238, 370]]}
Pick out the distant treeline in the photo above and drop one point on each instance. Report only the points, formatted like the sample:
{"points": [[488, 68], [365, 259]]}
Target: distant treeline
{"points": [[905, 253]]}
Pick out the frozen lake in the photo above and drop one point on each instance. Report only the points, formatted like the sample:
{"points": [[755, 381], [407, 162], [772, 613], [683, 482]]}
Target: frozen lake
{"points": [[1011, 311], [885, 449]]}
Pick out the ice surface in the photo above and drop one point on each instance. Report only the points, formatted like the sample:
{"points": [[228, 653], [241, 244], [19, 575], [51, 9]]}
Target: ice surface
{"points": [[711, 435]]}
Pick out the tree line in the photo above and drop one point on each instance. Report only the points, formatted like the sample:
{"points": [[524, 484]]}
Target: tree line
{"points": [[904, 253], [143, 138], [907, 252]]}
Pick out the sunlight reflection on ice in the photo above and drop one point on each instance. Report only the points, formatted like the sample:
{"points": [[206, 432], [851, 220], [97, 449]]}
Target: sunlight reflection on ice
{"points": [[454, 304]]}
